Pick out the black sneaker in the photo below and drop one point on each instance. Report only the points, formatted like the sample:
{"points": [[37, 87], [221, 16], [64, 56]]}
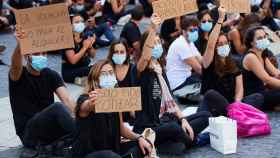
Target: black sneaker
{"points": [[44, 151], [28, 153]]}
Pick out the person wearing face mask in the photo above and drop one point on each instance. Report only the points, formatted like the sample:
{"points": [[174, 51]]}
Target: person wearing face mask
{"points": [[113, 10], [125, 72], [258, 71], [183, 57], [76, 61], [184, 61], [206, 25], [159, 110], [222, 81], [103, 131], [38, 120]]}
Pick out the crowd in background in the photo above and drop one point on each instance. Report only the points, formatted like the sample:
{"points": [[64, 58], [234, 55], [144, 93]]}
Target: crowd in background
{"points": [[211, 57]]}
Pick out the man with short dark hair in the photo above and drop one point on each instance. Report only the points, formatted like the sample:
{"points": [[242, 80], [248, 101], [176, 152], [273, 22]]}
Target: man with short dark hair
{"points": [[39, 121], [131, 32]]}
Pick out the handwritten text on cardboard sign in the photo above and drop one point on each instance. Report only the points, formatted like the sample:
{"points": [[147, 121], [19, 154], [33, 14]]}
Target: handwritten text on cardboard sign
{"points": [[47, 28], [118, 100]]}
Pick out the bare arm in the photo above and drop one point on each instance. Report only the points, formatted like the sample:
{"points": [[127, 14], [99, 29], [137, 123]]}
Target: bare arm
{"points": [[149, 44], [195, 64], [88, 105], [115, 7], [126, 132], [239, 89], [65, 98], [75, 57], [252, 63], [16, 66], [208, 56], [266, 4], [235, 37], [271, 68]]}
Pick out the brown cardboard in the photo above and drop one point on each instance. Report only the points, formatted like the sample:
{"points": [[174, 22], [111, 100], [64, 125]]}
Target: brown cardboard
{"points": [[190, 6], [118, 100], [236, 6], [47, 28]]}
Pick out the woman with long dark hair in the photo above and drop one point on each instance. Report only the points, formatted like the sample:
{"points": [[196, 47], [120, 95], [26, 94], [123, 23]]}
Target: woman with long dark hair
{"points": [[159, 110]]}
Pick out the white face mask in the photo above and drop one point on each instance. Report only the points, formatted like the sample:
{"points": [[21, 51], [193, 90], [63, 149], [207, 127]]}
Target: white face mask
{"points": [[223, 51], [79, 27]]}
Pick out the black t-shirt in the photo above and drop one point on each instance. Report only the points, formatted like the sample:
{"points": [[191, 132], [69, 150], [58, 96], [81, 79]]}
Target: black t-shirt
{"points": [[131, 33], [127, 81], [98, 131], [251, 82], [31, 94], [224, 85], [83, 62], [151, 101]]}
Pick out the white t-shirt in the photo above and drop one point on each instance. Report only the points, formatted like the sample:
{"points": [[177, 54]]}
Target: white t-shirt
{"points": [[176, 69]]}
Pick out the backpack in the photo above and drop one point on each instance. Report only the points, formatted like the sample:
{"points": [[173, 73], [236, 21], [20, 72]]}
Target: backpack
{"points": [[250, 121]]}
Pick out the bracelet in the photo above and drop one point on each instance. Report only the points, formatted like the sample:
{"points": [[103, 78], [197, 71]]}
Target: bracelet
{"points": [[138, 137]]}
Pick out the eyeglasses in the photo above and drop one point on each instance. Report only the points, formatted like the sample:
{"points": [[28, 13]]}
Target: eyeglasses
{"points": [[205, 21]]}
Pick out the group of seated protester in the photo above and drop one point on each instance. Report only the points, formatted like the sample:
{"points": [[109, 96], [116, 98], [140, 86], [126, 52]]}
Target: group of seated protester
{"points": [[227, 54]]}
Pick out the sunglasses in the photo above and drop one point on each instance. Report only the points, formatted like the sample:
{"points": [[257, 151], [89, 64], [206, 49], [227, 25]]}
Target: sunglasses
{"points": [[205, 21]]}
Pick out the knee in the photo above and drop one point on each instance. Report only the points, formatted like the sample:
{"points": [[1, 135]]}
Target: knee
{"points": [[205, 114], [211, 94], [59, 107], [103, 154], [175, 129]]}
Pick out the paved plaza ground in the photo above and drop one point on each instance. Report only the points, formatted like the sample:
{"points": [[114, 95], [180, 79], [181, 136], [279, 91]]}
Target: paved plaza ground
{"points": [[10, 146]]}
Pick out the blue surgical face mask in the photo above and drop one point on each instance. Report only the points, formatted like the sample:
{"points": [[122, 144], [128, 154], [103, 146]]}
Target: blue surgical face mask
{"points": [[224, 50], [119, 58], [262, 44], [107, 81], [157, 51], [79, 27], [193, 36], [206, 26], [38, 63]]}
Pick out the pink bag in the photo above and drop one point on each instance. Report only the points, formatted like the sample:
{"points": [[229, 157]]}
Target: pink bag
{"points": [[250, 121]]}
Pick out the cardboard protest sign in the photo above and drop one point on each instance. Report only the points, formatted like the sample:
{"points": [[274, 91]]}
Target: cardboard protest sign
{"points": [[47, 28], [190, 6], [168, 9], [118, 100], [236, 6]]}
